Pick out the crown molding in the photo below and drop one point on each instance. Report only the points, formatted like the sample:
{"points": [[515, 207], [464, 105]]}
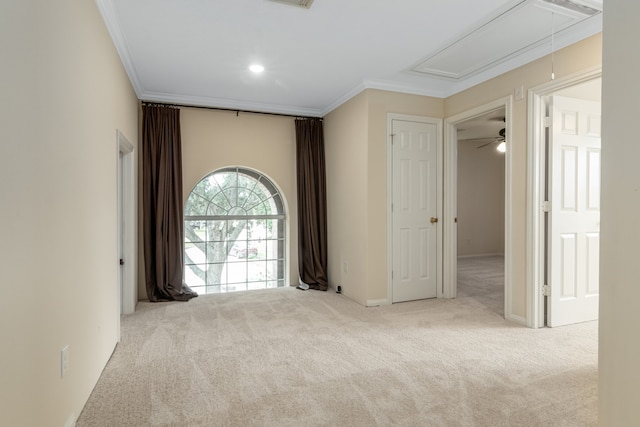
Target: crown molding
{"points": [[202, 101], [110, 19]]}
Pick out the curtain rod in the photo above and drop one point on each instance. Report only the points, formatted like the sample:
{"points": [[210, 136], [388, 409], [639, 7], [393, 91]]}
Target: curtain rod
{"points": [[238, 111]]}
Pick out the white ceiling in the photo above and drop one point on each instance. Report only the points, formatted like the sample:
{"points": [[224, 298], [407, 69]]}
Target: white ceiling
{"points": [[197, 52]]}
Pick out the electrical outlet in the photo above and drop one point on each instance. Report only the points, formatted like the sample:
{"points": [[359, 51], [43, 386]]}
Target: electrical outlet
{"points": [[64, 360], [345, 266]]}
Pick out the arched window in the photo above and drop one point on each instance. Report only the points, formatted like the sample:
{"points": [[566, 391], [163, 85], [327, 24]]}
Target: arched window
{"points": [[234, 233]]}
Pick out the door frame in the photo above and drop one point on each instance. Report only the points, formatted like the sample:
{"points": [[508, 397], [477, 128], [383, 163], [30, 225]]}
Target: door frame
{"points": [[126, 195], [439, 194], [450, 254], [536, 181]]}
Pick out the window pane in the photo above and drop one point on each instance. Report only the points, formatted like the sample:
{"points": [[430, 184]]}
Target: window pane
{"points": [[216, 231], [236, 272], [272, 270], [194, 231], [200, 290], [256, 285], [216, 252], [272, 249], [260, 249], [256, 271], [194, 253], [280, 269], [213, 289], [272, 284], [196, 205], [215, 273], [257, 229], [280, 227], [220, 205], [194, 275]]}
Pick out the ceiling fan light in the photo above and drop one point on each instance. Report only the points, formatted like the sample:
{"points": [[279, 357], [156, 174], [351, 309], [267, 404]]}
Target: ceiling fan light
{"points": [[502, 147]]}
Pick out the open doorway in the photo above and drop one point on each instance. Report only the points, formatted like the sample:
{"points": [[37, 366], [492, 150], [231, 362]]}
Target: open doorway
{"points": [[481, 207], [500, 113]]}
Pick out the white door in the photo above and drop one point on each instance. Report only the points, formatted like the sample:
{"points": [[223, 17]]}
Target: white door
{"points": [[414, 210], [574, 218], [121, 229]]}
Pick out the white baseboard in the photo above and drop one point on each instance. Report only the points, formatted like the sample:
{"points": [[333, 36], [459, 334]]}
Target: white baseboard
{"points": [[481, 255], [516, 319], [71, 421], [377, 302]]}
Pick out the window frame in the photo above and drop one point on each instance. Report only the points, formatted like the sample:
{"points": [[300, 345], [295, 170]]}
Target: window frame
{"points": [[277, 202]]}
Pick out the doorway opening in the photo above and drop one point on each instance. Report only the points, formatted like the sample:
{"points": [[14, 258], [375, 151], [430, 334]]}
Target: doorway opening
{"points": [[481, 207], [464, 226]]}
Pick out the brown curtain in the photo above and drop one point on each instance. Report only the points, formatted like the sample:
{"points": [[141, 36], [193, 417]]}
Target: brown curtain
{"points": [[312, 203], [162, 204]]}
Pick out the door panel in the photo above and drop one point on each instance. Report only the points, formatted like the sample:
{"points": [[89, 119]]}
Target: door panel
{"points": [[414, 204], [574, 219]]}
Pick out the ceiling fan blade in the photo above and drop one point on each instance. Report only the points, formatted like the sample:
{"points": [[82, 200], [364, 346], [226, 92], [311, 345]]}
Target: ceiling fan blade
{"points": [[486, 138], [488, 143]]}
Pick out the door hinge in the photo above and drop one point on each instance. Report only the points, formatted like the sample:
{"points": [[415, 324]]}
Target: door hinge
{"points": [[546, 206], [546, 291], [548, 122]]}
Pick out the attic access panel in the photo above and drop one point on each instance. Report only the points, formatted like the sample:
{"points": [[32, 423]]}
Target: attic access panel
{"points": [[525, 26]]}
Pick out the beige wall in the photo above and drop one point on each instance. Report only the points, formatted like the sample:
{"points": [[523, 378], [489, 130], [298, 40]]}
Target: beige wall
{"points": [[64, 94], [356, 145], [578, 57], [346, 140], [480, 200], [215, 139], [619, 356]]}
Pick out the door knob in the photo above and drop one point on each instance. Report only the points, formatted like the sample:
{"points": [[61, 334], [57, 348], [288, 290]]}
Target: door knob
{"points": [[434, 220]]}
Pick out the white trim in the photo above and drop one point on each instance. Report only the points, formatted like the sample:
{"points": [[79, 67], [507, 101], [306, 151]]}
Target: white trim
{"points": [[344, 98], [439, 142], [535, 183], [518, 319], [451, 201], [109, 16], [377, 302], [130, 224], [433, 90], [482, 255]]}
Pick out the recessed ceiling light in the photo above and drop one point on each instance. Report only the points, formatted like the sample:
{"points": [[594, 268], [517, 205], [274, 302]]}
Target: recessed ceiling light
{"points": [[256, 68]]}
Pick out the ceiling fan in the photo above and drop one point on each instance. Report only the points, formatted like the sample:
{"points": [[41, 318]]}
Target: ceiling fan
{"points": [[500, 139]]}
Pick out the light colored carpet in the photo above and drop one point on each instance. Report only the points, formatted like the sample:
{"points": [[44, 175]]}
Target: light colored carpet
{"points": [[482, 278], [284, 357]]}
